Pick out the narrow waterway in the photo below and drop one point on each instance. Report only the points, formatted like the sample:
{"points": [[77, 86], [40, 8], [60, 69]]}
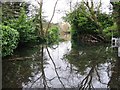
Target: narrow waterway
{"points": [[66, 65]]}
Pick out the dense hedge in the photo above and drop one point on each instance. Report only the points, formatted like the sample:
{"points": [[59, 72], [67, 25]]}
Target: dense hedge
{"points": [[9, 40]]}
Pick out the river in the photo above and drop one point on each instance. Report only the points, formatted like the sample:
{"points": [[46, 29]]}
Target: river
{"points": [[66, 65]]}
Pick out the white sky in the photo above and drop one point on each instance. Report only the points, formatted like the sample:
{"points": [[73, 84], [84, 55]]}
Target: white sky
{"points": [[62, 6]]}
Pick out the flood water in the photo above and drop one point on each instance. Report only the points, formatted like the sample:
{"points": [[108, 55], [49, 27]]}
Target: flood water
{"points": [[66, 65]]}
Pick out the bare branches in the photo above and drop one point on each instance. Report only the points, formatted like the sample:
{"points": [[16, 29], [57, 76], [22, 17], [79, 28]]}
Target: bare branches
{"points": [[40, 13], [99, 6], [52, 16], [42, 32], [93, 12]]}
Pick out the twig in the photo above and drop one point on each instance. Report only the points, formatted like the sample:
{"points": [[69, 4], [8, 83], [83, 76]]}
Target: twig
{"points": [[51, 17]]}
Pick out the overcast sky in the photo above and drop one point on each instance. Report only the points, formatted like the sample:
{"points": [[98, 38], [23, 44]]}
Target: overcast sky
{"points": [[63, 6]]}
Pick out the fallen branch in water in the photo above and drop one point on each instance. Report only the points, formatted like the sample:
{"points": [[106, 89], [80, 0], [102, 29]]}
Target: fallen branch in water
{"points": [[20, 58]]}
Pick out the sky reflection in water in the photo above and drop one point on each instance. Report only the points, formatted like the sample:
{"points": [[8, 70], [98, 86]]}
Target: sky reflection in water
{"points": [[71, 67]]}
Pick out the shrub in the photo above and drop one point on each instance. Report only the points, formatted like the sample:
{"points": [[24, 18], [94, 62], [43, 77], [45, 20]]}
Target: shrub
{"points": [[9, 40], [110, 31], [53, 35], [24, 26]]}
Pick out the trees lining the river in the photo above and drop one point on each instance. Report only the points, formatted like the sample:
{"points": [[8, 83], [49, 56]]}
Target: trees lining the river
{"points": [[32, 29], [87, 19], [116, 13], [29, 28]]}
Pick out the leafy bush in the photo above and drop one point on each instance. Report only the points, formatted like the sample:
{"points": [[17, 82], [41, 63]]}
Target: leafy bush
{"points": [[81, 25], [84, 21], [53, 35], [24, 26], [9, 40], [105, 20], [109, 31]]}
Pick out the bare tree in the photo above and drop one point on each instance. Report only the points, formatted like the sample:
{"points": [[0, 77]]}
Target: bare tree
{"points": [[43, 34]]}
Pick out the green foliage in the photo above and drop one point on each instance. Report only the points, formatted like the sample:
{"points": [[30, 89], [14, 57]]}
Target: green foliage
{"points": [[109, 31], [116, 13], [83, 22], [105, 20], [53, 35], [24, 26], [9, 40], [11, 10]]}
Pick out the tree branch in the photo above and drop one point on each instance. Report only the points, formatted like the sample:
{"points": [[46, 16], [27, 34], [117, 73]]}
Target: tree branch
{"points": [[51, 17]]}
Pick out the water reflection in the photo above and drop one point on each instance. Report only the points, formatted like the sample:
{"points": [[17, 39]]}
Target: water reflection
{"points": [[18, 72], [66, 65], [92, 63], [114, 82]]}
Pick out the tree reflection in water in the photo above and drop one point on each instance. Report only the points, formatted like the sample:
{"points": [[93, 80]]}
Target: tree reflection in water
{"points": [[43, 76], [82, 66], [114, 82], [92, 57], [39, 56], [18, 69]]}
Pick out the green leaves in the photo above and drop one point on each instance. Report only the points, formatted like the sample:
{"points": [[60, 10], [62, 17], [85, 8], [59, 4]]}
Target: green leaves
{"points": [[109, 31], [53, 35], [10, 39], [17, 29], [24, 26], [85, 20]]}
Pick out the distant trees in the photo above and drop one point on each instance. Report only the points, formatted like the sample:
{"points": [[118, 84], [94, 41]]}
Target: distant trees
{"points": [[42, 29], [11, 10]]}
